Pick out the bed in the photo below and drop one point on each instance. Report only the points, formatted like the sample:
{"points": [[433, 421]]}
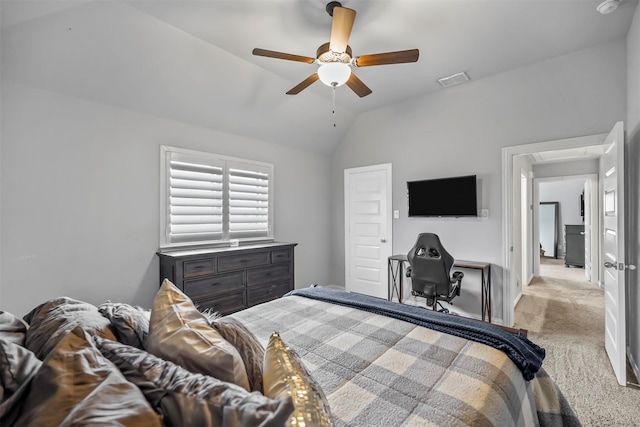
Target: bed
{"points": [[370, 365]]}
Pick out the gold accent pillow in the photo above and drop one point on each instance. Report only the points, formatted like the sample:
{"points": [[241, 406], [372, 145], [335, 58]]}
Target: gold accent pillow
{"points": [[285, 375], [178, 332]]}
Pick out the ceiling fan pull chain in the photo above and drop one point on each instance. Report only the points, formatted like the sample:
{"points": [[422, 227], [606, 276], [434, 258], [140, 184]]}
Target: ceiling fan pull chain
{"points": [[333, 103]]}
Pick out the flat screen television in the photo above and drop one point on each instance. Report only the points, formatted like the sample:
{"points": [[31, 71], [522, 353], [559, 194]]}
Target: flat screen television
{"points": [[453, 197]]}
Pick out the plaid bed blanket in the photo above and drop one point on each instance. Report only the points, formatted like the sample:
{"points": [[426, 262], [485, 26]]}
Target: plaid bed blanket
{"points": [[380, 371], [526, 355]]}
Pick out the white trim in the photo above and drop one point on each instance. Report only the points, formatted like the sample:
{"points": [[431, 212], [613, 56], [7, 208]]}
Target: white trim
{"points": [[507, 206], [517, 299], [165, 160]]}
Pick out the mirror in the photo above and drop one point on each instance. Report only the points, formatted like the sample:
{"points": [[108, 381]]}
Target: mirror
{"points": [[548, 224]]}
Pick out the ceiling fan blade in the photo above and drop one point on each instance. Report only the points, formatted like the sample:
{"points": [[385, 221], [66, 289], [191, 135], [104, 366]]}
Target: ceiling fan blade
{"points": [[398, 57], [341, 28], [356, 85], [280, 55], [303, 84]]}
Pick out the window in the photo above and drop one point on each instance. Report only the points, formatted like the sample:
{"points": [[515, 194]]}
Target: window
{"points": [[208, 198]]}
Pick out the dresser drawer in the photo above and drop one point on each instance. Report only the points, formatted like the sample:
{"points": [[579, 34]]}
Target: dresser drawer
{"points": [[238, 261], [271, 273], [261, 294], [280, 255], [199, 267], [219, 283], [223, 304]]}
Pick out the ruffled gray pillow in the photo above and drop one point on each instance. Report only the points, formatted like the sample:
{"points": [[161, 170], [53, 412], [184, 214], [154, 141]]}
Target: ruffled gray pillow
{"points": [[184, 398], [130, 323], [250, 349]]}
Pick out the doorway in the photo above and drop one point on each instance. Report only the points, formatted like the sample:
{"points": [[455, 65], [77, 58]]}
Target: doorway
{"points": [[524, 156], [610, 165], [567, 220]]}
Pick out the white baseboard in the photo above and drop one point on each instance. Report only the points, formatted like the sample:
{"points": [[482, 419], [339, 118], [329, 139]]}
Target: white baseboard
{"points": [[634, 364], [517, 299]]}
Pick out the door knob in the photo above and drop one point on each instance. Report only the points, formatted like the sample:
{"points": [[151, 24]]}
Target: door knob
{"points": [[383, 240], [620, 266]]}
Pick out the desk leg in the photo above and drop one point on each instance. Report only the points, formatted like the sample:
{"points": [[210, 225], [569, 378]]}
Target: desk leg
{"points": [[401, 275], [394, 279], [489, 293], [390, 279], [483, 303], [486, 294]]}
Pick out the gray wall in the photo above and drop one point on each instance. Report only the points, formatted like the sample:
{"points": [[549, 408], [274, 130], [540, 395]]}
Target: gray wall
{"points": [[633, 188], [461, 130], [80, 197]]}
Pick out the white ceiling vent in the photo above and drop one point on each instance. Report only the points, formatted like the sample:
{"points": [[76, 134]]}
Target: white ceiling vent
{"points": [[453, 79]]}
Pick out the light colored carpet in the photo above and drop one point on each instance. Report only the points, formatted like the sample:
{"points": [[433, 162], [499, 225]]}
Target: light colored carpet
{"points": [[565, 315]]}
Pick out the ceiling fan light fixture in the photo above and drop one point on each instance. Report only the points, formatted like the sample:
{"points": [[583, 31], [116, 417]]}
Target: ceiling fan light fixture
{"points": [[334, 73], [608, 6]]}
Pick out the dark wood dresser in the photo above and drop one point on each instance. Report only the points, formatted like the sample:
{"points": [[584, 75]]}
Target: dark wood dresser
{"points": [[232, 278]]}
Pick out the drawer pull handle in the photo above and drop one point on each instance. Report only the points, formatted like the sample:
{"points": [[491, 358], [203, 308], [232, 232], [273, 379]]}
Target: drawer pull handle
{"points": [[215, 284]]}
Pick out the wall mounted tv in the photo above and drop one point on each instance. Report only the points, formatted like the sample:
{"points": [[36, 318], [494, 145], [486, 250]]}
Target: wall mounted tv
{"points": [[452, 197]]}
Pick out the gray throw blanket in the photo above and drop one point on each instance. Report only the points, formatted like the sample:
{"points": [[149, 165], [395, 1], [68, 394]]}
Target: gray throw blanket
{"points": [[526, 355]]}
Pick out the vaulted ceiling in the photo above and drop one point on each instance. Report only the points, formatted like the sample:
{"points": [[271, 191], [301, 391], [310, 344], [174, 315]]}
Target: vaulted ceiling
{"points": [[191, 60]]}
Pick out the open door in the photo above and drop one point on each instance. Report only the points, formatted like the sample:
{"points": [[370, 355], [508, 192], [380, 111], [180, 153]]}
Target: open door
{"points": [[612, 175]]}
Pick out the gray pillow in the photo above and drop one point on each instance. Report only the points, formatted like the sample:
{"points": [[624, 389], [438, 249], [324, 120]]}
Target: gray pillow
{"points": [[130, 323], [12, 328], [179, 332], [52, 320], [187, 399], [77, 386], [250, 349]]}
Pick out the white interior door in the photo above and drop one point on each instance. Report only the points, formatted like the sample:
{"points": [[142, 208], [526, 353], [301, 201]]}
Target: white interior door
{"points": [[612, 173], [368, 229]]}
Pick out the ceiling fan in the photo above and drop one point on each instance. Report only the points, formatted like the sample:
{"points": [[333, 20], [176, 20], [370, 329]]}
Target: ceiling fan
{"points": [[335, 58]]}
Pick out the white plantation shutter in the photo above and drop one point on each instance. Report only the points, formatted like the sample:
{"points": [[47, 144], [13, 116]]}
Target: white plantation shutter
{"points": [[248, 200], [208, 198]]}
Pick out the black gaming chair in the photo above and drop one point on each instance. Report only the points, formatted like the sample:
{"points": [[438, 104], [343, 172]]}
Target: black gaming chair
{"points": [[430, 271]]}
